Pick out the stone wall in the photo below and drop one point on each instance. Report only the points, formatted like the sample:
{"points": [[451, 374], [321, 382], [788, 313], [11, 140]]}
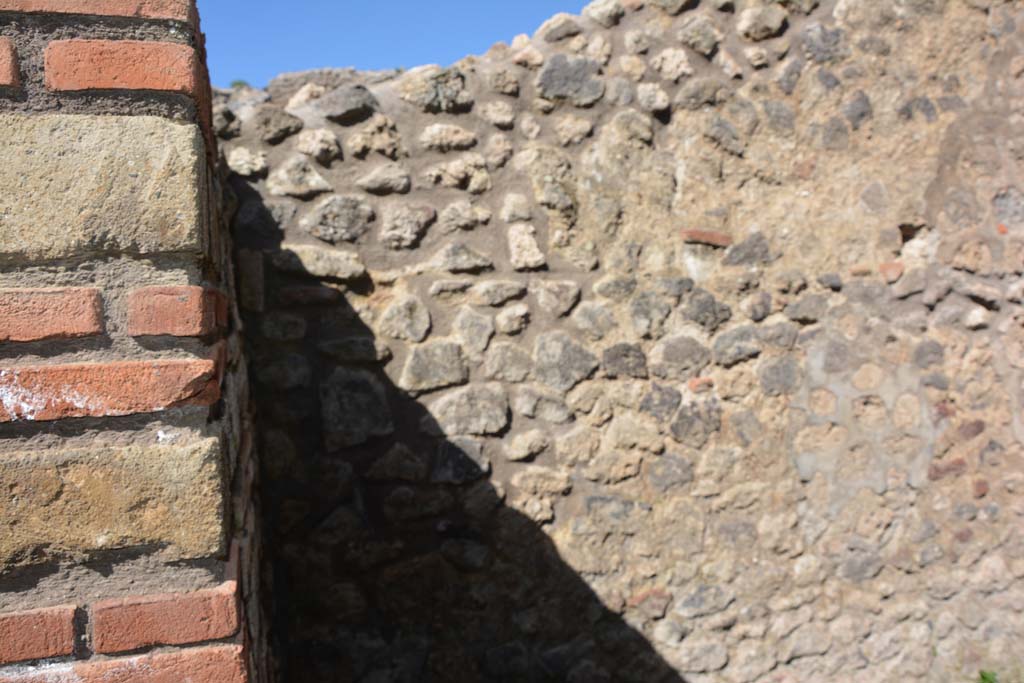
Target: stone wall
{"points": [[127, 532], [681, 341]]}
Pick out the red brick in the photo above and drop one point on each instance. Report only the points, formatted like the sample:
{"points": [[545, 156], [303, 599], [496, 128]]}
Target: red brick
{"points": [[216, 664], [56, 392], [122, 65], [178, 10], [171, 619], [711, 238], [35, 314], [39, 634], [9, 75], [176, 311]]}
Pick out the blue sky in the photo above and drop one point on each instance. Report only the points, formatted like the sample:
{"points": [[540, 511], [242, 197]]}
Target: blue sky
{"points": [[254, 40]]}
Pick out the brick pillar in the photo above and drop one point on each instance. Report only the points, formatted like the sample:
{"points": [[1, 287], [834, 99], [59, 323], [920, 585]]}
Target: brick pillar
{"points": [[126, 525]]}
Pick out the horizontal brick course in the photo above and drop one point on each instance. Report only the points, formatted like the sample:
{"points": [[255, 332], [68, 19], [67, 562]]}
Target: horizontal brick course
{"points": [[222, 664], [56, 392], [176, 311], [74, 65], [37, 314], [170, 619], [177, 10], [9, 74], [38, 634]]}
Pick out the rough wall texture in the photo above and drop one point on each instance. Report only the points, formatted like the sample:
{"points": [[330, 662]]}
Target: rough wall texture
{"points": [[126, 526], [681, 341]]}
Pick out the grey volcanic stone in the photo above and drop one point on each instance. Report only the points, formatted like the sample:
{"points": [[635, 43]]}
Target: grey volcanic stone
{"points": [[434, 365], [928, 353], [347, 105], [751, 251], [560, 362], [669, 472], [594, 320], [705, 310], [648, 312], [661, 402], [679, 357], [808, 309], [571, 78], [736, 346], [354, 407], [674, 6], [273, 125], [696, 422], [857, 109], [780, 376], [406, 318], [337, 218], [703, 601], [477, 409], [624, 360]]}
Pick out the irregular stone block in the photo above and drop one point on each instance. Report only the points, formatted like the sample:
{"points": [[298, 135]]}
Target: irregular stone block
{"points": [[68, 502], [90, 185]]}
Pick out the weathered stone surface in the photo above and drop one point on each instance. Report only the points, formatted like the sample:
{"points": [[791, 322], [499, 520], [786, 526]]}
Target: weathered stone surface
{"points": [[75, 502], [296, 177], [386, 179], [524, 252], [762, 22], [405, 225], [346, 105], [556, 297], [459, 258], [624, 360], [435, 89], [560, 362], [679, 357], [406, 318], [474, 329], [462, 215], [794, 253], [507, 362], [476, 409], [319, 261], [695, 423], [343, 218], [571, 78], [434, 365], [321, 144], [355, 408], [443, 137], [81, 185], [736, 346]]}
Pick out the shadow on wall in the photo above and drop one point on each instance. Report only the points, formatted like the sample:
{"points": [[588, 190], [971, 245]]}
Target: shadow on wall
{"points": [[391, 557]]}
